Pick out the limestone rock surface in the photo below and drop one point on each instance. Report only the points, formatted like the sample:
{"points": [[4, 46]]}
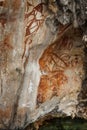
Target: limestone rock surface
{"points": [[43, 63]]}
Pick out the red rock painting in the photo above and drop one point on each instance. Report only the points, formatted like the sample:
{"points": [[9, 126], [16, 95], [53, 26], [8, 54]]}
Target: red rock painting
{"points": [[58, 60]]}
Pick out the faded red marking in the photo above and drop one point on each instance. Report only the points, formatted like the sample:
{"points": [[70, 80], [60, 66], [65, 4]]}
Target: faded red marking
{"points": [[38, 22], [50, 85], [55, 59], [63, 28], [16, 5], [65, 43], [25, 48], [38, 8], [1, 3], [7, 42], [29, 26], [3, 19]]}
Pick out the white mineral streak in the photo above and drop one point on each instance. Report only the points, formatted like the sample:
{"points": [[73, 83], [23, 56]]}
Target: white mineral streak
{"points": [[32, 74], [65, 2], [85, 38], [2, 0], [30, 89], [30, 84], [16, 61], [44, 109], [14, 53], [71, 91], [0, 87]]}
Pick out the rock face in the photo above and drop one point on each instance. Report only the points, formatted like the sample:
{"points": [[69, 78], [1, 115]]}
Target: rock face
{"points": [[42, 60]]}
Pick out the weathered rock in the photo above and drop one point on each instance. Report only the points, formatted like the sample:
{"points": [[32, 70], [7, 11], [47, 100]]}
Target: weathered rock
{"points": [[42, 61]]}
